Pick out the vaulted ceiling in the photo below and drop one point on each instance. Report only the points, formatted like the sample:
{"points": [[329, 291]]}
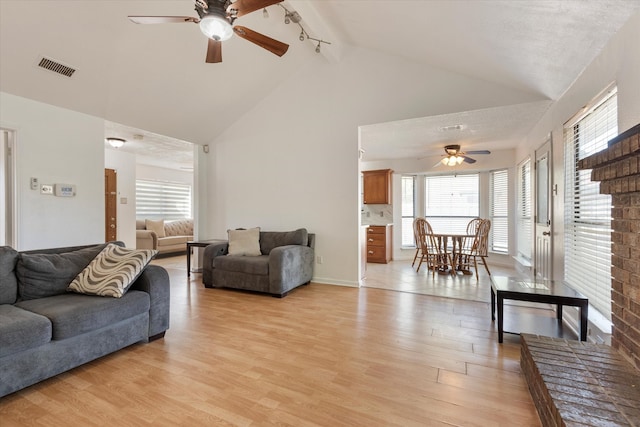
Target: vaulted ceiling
{"points": [[154, 77]]}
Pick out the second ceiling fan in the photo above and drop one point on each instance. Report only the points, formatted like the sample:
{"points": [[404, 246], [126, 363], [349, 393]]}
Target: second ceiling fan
{"points": [[216, 18], [455, 156]]}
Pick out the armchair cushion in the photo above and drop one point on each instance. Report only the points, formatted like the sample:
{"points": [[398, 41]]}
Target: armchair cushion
{"points": [[273, 239], [244, 242]]}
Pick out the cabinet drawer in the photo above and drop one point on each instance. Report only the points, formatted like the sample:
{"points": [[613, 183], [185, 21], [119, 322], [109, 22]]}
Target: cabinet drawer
{"points": [[377, 229], [376, 239], [376, 254]]}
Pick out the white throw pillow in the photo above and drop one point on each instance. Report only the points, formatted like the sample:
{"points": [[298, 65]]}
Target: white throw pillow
{"points": [[112, 272], [244, 242], [156, 226]]}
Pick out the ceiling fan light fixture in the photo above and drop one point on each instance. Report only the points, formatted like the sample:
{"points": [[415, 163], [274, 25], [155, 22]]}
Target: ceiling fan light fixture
{"points": [[115, 142], [452, 160], [216, 27]]}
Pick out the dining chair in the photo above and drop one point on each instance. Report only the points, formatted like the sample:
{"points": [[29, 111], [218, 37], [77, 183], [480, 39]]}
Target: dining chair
{"points": [[476, 247], [436, 257], [416, 239]]}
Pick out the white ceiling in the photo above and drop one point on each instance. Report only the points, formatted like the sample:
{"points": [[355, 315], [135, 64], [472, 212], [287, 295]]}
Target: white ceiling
{"points": [[152, 79]]}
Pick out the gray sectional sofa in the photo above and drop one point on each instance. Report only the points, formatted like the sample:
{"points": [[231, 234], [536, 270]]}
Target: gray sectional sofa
{"points": [[285, 262], [45, 330]]}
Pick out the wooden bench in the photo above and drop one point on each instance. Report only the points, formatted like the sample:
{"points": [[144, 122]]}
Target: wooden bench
{"points": [[576, 383]]}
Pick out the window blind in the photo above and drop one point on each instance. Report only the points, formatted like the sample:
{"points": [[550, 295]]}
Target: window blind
{"points": [[162, 200], [451, 201], [587, 212], [524, 210], [499, 211], [408, 209]]}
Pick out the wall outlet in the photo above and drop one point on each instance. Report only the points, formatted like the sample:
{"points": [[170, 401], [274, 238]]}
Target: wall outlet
{"points": [[46, 189], [319, 259]]}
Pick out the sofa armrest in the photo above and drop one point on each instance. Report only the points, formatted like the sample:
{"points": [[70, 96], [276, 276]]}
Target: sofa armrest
{"points": [[154, 280], [210, 252], [146, 239], [290, 266]]}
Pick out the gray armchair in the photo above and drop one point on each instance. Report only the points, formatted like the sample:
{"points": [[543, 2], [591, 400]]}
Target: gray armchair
{"points": [[286, 262]]}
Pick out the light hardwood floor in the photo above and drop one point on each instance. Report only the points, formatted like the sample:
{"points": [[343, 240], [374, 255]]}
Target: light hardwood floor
{"points": [[322, 356]]}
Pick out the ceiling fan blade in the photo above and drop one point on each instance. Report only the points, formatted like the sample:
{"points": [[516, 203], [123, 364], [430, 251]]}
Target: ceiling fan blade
{"points": [[478, 152], [162, 19], [214, 52], [468, 160], [247, 6], [272, 45]]}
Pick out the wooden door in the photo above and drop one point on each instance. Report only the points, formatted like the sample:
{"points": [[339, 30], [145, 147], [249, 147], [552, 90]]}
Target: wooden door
{"points": [[543, 243], [110, 206]]}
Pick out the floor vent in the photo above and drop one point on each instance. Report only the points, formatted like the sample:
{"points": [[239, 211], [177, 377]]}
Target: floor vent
{"points": [[56, 67]]}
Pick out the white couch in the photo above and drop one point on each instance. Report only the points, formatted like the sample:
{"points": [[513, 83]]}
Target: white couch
{"points": [[164, 236]]}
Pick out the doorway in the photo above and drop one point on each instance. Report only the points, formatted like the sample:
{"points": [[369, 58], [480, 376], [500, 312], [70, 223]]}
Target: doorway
{"points": [[7, 199], [111, 209], [543, 253]]}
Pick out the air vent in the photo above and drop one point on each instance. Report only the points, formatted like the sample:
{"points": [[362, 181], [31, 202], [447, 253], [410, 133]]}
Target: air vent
{"points": [[56, 67]]}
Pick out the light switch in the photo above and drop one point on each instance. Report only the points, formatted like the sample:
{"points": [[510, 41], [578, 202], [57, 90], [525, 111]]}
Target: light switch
{"points": [[34, 183], [123, 200]]}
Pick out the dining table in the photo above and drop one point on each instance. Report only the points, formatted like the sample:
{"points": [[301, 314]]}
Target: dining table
{"points": [[455, 250]]}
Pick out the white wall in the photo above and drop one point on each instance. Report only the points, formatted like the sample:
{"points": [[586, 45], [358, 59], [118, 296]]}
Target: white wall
{"points": [[619, 62], [292, 161], [125, 166], [56, 145]]}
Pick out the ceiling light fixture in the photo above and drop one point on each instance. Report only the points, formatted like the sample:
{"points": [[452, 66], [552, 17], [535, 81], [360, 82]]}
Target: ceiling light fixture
{"points": [[216, 27], [452, 160], [116, 142]]}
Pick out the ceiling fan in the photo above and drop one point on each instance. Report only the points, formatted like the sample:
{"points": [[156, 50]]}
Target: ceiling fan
{"points": [[455, 156], [216, 18]]}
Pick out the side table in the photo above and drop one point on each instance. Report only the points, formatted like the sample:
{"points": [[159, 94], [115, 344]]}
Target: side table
{"points": [[198, 244]]}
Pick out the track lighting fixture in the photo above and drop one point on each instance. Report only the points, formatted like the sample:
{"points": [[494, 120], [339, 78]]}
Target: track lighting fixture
{"points": [[295, 17], [265, 13]]}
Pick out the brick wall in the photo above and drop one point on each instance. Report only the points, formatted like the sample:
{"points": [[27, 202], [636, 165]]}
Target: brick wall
{"points": [[618, 170]]}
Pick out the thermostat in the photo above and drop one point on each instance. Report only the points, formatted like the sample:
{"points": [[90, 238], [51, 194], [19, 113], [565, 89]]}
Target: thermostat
{"points": [[64, 190]]}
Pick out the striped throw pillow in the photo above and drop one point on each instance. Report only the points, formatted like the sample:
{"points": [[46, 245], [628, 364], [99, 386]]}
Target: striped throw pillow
{"points": [[112, 271]]}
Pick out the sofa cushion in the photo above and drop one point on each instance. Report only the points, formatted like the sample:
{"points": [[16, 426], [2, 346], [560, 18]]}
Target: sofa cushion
{"points": [[273, 239], [74, 314], [46, 274], [157, 226], [112, 271], [173, 240], [250, 265], [8, 281], [244, 242], [21, 329]]}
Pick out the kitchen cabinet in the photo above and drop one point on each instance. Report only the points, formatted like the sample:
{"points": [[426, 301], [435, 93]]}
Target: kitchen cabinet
{"points": [[376, 186], [379, 243]]}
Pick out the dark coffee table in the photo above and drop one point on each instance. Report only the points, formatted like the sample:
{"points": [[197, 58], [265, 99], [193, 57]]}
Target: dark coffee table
{"points": [[540, 291], [198, 244]]}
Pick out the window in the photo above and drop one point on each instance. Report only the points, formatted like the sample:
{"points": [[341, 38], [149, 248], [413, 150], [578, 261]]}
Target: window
{"points": [[587, 212], [162, 200], [499, 211], [524, 210], [451, 201], [408, 210]]}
